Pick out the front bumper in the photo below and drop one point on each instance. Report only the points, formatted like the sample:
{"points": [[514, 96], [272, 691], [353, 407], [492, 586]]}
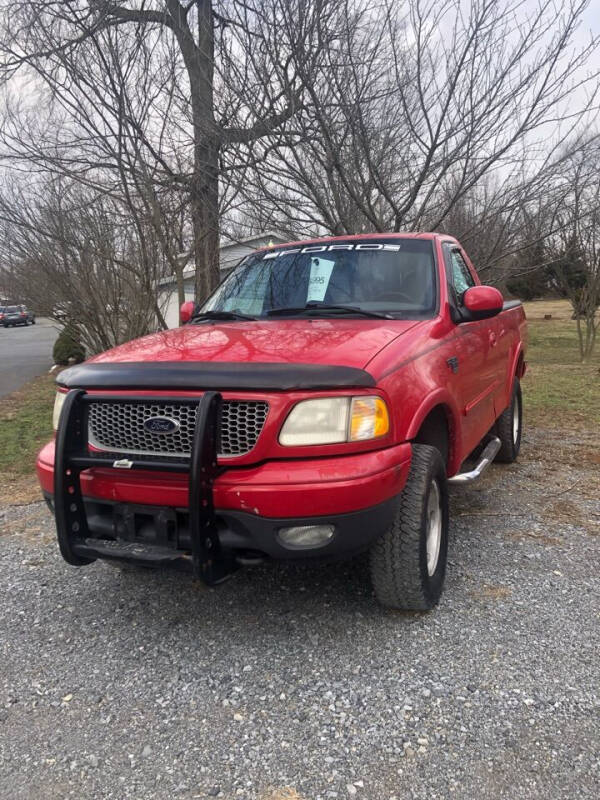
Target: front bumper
{"points": [[274, 489], [204, 518], [161, 535]]}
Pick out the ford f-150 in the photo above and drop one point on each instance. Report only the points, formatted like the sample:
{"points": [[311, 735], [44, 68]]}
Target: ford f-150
{"points": [[317, 405]]}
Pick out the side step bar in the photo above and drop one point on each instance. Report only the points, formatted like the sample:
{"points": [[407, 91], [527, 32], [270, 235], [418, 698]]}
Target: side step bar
{"points": [[486, 458]]}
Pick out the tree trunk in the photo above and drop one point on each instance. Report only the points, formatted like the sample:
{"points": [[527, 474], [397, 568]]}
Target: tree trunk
{"points": [[205, 219], [179, 282], [199, 59], [580, 339], [590, 338], [205, 181]]}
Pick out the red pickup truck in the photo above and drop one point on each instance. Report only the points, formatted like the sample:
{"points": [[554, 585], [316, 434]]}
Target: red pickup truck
{"points": [[317, 405]]}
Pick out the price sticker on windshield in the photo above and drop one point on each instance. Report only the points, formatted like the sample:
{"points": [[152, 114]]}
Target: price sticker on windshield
{"points": [[320, 274]]}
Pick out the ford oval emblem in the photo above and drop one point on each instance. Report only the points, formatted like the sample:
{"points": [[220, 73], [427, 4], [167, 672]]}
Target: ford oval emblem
{"points": [[161, 425]]}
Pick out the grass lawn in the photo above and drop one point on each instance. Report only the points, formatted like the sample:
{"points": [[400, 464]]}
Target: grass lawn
{"points": [[558, 391], [25, 425]]}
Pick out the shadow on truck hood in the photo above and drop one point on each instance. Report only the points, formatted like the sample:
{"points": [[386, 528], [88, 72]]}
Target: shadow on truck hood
{"points": [[343, 342]]}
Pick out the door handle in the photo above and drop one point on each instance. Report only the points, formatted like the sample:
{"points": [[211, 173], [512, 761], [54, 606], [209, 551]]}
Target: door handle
{"points": [[493, 339]]}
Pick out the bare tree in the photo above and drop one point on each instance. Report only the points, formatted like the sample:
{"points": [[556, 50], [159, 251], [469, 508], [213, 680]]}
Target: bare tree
{"points": [[99, 115], [419, 102], [196, 83], [575, 269], [76, 255], [305, 116]]}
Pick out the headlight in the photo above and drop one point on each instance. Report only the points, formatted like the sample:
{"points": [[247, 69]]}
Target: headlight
{"points": [[322, 421], [58, 404], [331, 420]]}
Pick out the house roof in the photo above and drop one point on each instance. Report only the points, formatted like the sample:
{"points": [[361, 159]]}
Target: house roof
{"points": [[266, 235], [188, 272]]}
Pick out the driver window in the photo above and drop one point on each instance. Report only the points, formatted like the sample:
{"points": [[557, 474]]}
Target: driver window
{"points": [[461, 276]]}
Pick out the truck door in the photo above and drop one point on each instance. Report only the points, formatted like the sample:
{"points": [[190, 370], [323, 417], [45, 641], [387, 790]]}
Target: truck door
{"points": [[475, 380], [504, 340]]}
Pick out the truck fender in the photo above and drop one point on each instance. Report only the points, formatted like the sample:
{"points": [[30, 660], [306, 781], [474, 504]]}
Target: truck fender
{"points": [[439, 397], [519, 362], [517, 368]]}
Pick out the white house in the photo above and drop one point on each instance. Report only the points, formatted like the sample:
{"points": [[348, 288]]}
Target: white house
{"points": [[230, 254]]}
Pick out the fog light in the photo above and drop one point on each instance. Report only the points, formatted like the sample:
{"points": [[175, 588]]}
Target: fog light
{"points": [[306, 536]]}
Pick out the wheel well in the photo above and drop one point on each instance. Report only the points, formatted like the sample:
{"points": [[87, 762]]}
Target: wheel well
{"points": [[435, 431]]}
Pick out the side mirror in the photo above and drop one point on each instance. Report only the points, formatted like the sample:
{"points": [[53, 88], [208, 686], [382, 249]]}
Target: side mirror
{"points": [[186, 311], [481, 302]]}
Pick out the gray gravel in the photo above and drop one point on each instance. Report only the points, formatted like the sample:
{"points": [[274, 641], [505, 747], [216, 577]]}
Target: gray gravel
{"points": [[137, 685]]}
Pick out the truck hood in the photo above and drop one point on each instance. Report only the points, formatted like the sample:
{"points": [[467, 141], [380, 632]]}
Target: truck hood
{"points": [[343, 342]]}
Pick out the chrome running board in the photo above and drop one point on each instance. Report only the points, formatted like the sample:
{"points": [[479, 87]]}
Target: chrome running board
{"points": [[486, 458]]}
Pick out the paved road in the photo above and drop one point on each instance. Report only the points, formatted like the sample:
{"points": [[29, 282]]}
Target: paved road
{"points": [[147, 685], [25, 353]]}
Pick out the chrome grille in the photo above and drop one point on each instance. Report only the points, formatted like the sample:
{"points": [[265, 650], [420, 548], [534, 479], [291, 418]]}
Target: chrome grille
{"points": [[119, 427]]}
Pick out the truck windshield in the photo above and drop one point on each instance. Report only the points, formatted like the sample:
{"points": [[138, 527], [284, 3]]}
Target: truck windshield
{"points": [[393, 276]]}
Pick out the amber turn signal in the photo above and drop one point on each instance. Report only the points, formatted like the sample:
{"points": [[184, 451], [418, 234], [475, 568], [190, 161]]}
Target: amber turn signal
{"points": [[369, 418]]}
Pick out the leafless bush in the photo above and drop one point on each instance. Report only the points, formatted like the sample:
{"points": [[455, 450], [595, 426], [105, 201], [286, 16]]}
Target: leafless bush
{"points": [[575, 269], [76, 256]]}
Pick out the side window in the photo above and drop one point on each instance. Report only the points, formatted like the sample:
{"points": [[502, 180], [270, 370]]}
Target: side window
{"points": [[461, 277]]}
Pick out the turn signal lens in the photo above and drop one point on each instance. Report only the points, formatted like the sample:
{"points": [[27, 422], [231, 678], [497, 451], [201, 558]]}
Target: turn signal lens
{"points": [[58, 404], [369, 418]]}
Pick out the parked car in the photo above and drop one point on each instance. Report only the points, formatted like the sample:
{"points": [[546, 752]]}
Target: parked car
{"points": [[30, 315], [16, 315], [319, 404], [61, 311]]}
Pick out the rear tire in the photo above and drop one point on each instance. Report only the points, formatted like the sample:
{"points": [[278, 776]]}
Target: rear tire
{"points": [[509, 426], [408, 563]]}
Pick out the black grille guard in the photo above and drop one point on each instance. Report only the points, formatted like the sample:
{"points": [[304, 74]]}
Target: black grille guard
{"points": [[72, 456]]}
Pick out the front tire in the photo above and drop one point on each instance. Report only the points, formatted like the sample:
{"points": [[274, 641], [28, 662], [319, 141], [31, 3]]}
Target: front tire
{"points": [[509, 426], [408, 563]]}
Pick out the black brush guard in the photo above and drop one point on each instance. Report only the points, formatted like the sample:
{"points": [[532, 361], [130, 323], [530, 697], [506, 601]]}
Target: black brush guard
{"points": [[207, 559]]}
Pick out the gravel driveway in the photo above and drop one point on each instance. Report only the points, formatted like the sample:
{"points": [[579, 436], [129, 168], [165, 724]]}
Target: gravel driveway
{"points": [[136, 685]]}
